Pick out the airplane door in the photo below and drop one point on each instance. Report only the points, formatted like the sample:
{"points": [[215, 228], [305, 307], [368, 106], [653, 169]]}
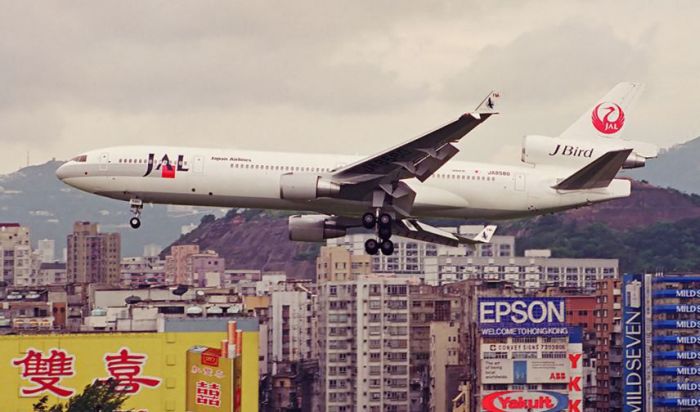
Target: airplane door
{"points": [[104, 160], [198, 164], [519, 181]]}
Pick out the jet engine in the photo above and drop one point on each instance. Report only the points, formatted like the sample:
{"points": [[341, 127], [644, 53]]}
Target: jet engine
{"points": [[542, 150], [306, 186], [314, 228]]}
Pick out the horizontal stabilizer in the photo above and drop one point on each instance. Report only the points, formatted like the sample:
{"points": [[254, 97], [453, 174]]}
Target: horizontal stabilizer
{"points": [[596, 174]]}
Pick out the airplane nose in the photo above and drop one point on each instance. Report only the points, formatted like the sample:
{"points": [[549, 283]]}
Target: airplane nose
{"points": [[62, 172]]}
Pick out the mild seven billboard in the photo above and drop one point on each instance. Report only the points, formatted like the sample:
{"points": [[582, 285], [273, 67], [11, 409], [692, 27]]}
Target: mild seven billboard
{"points": [[634, 348]]}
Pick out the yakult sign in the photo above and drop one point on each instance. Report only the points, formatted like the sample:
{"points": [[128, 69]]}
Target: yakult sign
{"points": [[522, 317]]}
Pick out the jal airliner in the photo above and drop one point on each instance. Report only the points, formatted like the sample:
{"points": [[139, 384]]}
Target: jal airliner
{"points": [[386, 192]]}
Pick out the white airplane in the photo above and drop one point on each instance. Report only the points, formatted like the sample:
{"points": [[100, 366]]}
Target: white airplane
{"points": [[388, 191]]}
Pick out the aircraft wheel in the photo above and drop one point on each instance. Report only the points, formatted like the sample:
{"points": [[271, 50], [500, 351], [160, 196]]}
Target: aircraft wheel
{"points": [[387, 247], [385, 220], [135, 222], [371, 246], [369, 220], [384, 232]]}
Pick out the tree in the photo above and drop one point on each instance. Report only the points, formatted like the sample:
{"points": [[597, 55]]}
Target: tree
{"points": [[207, 219], [100, 396]]}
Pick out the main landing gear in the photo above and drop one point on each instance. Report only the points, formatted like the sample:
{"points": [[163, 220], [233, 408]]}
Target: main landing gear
{"points": [[383, 226], [136, 206]]}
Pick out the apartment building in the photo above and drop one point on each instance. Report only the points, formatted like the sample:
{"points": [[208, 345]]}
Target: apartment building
{"points": [[15, 255], [290, 332], [445, 341], [176, 263], [364, 351], [141, 271], [536, 270], [428, 304], [93, 257], [606, 394], [409, 255]]}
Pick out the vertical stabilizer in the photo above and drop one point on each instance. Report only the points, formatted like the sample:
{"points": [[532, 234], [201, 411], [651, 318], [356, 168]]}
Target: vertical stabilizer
{"points": [[608, 118]]}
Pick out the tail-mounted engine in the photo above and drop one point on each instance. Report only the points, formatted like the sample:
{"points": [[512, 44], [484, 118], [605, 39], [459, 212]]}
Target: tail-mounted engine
{"points": [[542, 150]]}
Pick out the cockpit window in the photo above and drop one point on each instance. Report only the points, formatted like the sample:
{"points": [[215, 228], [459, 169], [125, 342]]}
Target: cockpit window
{"points": [[81, 159]]}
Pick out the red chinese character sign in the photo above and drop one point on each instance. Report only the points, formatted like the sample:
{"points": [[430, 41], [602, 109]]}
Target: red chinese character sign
{"points": [[208, 393], [126, 368], [209, 381], [45, 372]]}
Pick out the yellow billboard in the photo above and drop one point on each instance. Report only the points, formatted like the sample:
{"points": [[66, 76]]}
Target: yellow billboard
{"points": [[149, 367]]}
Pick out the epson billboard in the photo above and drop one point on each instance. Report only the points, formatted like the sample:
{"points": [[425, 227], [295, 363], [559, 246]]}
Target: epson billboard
{"points": [[522, 317], [636, 362]]}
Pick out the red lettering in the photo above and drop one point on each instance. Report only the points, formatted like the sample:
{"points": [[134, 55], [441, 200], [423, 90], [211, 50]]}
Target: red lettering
{"points": [[573, 359], [46, 372], [574, 384], [574, 405]]}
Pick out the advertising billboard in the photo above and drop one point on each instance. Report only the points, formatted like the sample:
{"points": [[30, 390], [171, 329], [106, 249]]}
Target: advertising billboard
{"points": [[502, 316], [634, 352], [209, 380], [575, 365], [522, 371], [677, 340], [150, 367], [517, 400]]}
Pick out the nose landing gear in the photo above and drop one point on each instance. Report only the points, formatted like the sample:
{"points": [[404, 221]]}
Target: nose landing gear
{"points": [[136, 206], [382, 222]]}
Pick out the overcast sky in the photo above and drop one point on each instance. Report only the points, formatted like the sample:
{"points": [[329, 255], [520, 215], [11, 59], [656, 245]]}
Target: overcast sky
{"points": [[338, 77]]}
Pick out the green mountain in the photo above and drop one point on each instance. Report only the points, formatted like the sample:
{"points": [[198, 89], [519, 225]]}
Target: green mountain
{"points": [[677, 167]]}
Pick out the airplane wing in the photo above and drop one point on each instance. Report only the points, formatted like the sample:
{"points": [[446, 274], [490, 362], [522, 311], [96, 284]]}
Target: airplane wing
{"points": [[418, 158], [413, 229]]}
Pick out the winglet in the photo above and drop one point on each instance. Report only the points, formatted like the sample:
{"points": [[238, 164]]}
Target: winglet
{"points": [[482, 237], [487, 105], [485, 235], [599, 173]]}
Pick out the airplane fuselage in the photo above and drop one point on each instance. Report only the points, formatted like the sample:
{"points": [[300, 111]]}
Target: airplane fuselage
{"points": [[251, 179]]}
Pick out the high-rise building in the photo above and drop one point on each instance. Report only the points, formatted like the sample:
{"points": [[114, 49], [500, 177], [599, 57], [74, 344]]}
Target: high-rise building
{"points": [[15, 255], [292, 308], [528, 354], [428, 304], [176, 263], [606, 395], [47, 250], [660, 322], [445, 345], [93, 257], [364, 352], [340, 264]]}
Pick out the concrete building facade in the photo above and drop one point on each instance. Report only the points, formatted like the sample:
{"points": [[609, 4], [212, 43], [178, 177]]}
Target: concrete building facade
{"points": [[536, 270], [93, 257], [445, 342], [176, 263], [364, 350], [15, 255]]}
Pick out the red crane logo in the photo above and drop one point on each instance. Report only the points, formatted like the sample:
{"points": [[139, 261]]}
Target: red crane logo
{"points": [[613, 118]]}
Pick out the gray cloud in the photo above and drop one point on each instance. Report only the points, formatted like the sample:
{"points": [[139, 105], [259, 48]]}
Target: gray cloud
{"points": [[288, 75]]}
